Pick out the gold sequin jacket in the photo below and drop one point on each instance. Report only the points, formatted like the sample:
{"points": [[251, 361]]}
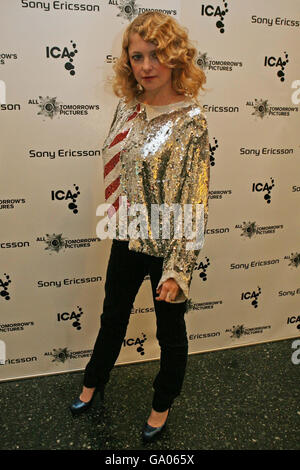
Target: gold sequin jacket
{"points": [[164, 159]]}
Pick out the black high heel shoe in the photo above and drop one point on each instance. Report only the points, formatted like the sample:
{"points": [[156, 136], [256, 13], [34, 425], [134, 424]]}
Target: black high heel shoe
{"points": [[80, 406], [150, 433]]}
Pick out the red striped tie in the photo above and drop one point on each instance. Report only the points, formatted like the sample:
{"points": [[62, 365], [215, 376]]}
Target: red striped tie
{"points": [[112, 186]]}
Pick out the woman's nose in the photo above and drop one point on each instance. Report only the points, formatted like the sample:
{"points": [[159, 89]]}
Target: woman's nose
{"points": [[147, 64]]}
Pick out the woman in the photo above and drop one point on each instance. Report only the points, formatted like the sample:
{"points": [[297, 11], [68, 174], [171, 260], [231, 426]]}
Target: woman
{"points": [[156, 152]]}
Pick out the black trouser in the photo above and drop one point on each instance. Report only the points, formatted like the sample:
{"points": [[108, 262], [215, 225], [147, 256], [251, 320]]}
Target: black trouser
{"points": [[125, 273]]}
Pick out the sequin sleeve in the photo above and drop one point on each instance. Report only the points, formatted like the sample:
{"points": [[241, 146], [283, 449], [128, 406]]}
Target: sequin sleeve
{"points": [[115, 117], [189, 184]]}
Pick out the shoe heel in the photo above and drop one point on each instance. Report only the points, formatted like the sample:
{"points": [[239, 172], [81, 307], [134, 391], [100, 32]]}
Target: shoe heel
{"points": [[78, 407], [150, 434]]}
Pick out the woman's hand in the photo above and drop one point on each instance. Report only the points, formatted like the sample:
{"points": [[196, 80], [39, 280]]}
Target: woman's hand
{"points": [[168, 291]]}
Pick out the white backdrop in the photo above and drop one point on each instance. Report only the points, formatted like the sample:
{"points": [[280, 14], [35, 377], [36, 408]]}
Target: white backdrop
{"points": [[56, 107]]}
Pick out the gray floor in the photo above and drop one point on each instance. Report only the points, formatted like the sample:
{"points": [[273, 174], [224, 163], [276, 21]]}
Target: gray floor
{"points": [[241, 398]]}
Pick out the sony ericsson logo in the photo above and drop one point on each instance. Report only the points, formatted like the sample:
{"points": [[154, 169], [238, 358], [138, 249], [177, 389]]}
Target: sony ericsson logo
{"points": [[267, 151], [68, 282], [50, 107], [62, 153], [251, 229], [56, 52], [60, 195], [61, 6], [73, 317], [18, 360], [223, 65], [220, 109], [255, 264], [277, 62], [219, 11], [212, 334], [136, 342], [264, 187], [217, 231], [202, 267], [110, 59], [291, 292], [252, 295], [262, 108], [4, 283], [278, 21], [18, 244], [142, 310]]}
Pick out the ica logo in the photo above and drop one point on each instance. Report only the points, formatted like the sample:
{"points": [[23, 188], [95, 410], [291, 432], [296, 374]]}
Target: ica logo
{"points": [[277, 62], [212, 149], [4, 287], [202, 267], [253, 296], [58, 53], [220, 11], [262, 187], [73, 316], [139, 342], [60, 195]]}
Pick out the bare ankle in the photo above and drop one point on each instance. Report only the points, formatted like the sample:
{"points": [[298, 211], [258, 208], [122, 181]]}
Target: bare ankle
{"points": [[86, 393], [157, 418]]}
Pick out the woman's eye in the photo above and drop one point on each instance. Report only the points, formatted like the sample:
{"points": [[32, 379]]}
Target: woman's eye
{"points": [[139, 57]]}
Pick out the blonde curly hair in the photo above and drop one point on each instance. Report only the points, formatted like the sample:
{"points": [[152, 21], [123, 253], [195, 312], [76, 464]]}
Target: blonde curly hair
{"points": [[173, 50]]}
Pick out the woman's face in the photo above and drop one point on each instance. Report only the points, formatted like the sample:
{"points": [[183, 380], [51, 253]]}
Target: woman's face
{"points": [[147, 69]]}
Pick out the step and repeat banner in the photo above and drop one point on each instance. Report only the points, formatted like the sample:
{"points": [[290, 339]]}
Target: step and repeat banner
{"points": [[56, 106]]}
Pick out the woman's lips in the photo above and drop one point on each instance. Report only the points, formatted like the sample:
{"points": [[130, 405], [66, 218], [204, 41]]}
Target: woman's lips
{"points": [[148, 78]]}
